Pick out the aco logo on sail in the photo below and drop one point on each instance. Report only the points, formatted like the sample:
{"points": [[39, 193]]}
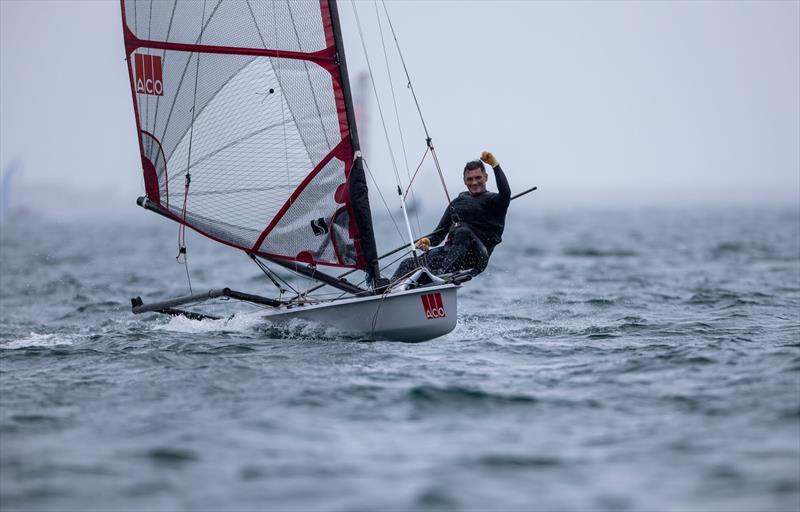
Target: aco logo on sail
{"points": [[434, 307], [149, 77]]}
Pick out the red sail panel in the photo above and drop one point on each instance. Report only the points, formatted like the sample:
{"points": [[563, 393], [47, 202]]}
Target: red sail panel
{"points": [[246, 97]]}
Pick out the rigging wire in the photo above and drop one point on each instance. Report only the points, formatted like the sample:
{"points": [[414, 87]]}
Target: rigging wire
{"points": [[182, 235], [384, 267], [375, 91], [411, 181], [188, 179], [396, 112], [179, 87], [385, 130], [428, 140], [385, 204], [405, 69], [158, 98], [272, 275], [429, 145]]}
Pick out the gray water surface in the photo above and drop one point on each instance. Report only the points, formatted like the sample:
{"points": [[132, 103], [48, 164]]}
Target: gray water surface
{"points": [[607, 360]]}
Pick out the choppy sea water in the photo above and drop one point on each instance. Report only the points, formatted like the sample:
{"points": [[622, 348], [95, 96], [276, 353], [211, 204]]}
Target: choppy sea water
{"points": [[607, 360]]}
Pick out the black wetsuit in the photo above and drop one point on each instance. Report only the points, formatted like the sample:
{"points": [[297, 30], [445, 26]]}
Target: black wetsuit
{"points": [[471, 240]]}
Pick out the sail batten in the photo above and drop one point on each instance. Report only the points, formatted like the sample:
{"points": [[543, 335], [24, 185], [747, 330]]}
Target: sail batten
{"points": [[267, 125]]}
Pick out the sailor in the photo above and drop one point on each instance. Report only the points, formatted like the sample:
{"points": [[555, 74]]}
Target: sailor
{"points": [[472, 224]]}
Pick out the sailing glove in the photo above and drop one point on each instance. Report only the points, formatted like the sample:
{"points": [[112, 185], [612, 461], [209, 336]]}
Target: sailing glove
{"points": [[489, 158], [424, 243]]}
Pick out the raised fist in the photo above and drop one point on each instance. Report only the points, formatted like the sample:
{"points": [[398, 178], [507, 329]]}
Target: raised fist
{"points": [[489, 158]]}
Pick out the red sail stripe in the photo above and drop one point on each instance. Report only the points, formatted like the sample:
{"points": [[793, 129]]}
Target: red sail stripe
{"points": [[324, 57], [296, 193]]}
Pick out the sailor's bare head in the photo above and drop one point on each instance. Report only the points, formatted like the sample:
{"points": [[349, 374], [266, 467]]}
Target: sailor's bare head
{"points": [[475, 177]]}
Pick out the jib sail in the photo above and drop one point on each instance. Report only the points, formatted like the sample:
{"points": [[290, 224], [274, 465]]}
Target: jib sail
{"points": [[244, 121]]}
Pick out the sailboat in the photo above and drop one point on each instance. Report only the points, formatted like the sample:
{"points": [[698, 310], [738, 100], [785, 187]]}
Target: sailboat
{"points": [[247, 135]]}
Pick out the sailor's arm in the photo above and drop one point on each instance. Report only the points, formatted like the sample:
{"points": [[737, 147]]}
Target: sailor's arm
{"points": [[504, 191], [439, 234]]}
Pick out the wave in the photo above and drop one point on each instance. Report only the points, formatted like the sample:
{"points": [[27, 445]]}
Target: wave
{"points": [[589, 252], [600, 302], [236, 323], [712, 296], [38, 340], [461, 396], [254, 324], [728, 247], [625, 326], [167, 455], [513, 461], [103, 307], [739, 250], [306, 330]]}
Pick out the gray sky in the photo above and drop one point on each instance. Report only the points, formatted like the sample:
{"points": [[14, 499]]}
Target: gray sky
{"points": [[623, 103]]}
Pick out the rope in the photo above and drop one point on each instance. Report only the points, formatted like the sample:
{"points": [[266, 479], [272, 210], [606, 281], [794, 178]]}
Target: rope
{"points": [[385, 131], [194, 99], [402, 60], [182, 233], [441, 176], [385, 204], [396, 113], [188, 179], [428, 139], [375, 91], [272, 275], [411, 181]]}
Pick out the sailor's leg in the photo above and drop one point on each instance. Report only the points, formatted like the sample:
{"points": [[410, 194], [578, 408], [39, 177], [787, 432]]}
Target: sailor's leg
{"points": [[406, 266], [434, 258], [477, 258], [466, 251]]}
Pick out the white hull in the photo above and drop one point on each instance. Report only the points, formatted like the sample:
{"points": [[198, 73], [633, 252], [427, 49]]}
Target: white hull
{"points": [[411, 315]]}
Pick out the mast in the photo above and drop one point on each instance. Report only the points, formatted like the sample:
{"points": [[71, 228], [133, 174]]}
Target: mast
{"points": [[359, 192], [348, 97]]}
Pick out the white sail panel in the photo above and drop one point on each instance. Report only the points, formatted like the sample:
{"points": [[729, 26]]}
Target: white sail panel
{"points": [[263, 135], [287, 25]]}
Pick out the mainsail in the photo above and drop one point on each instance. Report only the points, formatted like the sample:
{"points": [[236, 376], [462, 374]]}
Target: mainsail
{"points": [[246, 128]]}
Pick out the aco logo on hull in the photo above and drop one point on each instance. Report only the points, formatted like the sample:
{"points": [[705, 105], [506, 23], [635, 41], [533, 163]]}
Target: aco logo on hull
{"points": [[149, 75], [434, 307]]}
